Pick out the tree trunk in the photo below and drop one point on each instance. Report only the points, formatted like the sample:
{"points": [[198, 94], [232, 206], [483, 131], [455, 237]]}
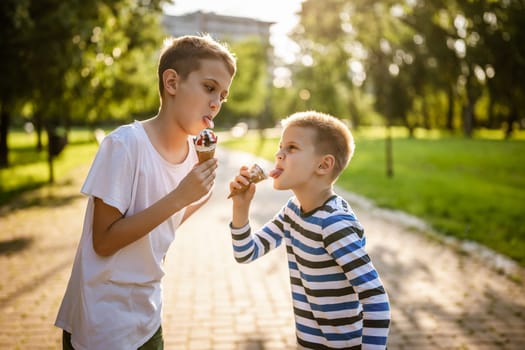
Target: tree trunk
{"points": [[50, 155], [450, 112], [5, 119], [468, 124], [37, 119], [411, 131], [354, 112], [426, 115], [512, 118], [388, 145], [51, 170], [469, 120], [492, 122]]}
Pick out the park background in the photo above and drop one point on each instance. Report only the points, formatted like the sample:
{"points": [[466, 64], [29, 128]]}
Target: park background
{"points": [[433, 92]]}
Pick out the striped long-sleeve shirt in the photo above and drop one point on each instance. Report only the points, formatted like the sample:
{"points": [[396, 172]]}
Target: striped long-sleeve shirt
{"points": [[338, 298]]}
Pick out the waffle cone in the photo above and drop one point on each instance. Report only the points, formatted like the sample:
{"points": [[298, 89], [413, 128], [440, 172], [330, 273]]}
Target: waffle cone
{"points": [[256, 175], [204, 156]]}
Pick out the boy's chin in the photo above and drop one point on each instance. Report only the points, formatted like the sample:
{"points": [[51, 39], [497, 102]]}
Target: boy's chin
{"points": [[278, 186]]}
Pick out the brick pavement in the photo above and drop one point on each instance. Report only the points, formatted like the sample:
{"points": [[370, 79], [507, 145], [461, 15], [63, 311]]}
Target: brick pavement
{"points": [[441, 299]]}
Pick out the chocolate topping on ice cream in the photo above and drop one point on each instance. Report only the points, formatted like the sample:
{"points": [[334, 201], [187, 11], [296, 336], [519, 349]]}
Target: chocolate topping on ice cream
{"points": [[205, 141]]}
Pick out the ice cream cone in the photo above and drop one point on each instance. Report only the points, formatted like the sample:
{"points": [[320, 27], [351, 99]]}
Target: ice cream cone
{"points": [[257, 174], [204, 156], [205, 144]]}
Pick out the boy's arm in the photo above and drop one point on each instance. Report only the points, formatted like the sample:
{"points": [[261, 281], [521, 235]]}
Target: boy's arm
{"points": [[193, 208], [112, 231], [248, 247], [345, 246]]}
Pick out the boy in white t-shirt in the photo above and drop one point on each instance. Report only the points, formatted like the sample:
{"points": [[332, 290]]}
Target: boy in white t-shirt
{"points": [[144, 182]]}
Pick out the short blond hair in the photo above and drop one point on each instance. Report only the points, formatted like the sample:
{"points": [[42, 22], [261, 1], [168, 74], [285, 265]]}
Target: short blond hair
{"points": [[332, 136], [183, 54]]}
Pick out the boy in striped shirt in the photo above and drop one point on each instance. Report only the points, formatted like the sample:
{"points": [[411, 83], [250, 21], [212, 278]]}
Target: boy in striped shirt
{"points": [[338, 298]]}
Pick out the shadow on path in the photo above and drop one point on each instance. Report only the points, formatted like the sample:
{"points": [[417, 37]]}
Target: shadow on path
{"points": [[34, 283], [15, 245], [48, 196], [48, 201]]}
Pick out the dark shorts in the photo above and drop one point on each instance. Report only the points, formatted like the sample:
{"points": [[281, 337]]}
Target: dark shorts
{"points": [[156, 342]]}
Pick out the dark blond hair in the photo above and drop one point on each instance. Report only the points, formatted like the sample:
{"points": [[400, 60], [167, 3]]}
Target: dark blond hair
{"points": [[183, 54], [332, 136]]}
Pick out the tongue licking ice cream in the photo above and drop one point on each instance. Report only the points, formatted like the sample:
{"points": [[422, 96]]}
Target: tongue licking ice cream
{"points": [[256, 174], [205, 144], [275, 173]]}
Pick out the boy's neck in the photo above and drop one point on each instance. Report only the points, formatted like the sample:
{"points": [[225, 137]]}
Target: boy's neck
{"points": [[169, 140], [313, 198], [167, 129]]}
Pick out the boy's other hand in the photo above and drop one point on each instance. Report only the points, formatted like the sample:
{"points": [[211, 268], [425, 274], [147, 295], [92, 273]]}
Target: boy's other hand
{"points": [[198, 181]]}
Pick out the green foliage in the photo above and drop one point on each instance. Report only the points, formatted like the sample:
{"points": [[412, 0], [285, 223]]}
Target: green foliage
{"points": [[472, 189], [116, 74], [426, 63], [320, 73], [250, 88], [77, 62]]}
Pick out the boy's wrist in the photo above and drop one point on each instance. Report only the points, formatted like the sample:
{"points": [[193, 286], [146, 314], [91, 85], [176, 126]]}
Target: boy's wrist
{"points": [[240, 215], [239, 228]]}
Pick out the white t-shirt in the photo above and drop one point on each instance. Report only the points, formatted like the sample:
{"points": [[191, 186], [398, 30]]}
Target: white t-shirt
{"points": [[115, 302]]}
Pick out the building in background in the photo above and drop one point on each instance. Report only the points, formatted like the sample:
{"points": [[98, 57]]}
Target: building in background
{"points": [[221, 27]]}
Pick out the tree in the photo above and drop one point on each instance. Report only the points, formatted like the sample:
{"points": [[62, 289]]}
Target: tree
{"points": [[77, 60], [320, 74], [250, 93], [14, 21], [423, 61]]}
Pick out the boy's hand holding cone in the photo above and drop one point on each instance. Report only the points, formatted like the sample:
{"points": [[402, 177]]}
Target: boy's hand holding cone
{"points": [[256, 174]]}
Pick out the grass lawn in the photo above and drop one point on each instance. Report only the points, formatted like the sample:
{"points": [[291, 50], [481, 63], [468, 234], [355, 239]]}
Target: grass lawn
{"points": [[472, 189], [29, 169]]}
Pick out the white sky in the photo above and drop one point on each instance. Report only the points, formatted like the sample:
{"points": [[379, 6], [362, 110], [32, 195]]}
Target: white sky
{"points": [[282, 12]]}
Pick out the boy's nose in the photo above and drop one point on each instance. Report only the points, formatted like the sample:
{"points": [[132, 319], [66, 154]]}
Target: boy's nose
{"points": [[215, 103], [279, 155]]}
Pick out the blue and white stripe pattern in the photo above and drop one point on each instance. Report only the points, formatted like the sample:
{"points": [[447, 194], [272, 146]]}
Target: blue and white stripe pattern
{"points": [[339, 300]]}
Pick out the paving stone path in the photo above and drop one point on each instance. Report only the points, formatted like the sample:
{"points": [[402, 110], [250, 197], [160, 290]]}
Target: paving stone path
{"points": [[441, 298]]}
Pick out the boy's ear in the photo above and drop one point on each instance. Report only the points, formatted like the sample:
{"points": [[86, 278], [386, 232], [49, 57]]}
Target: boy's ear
{"points": [[170, 79], [326, 164]]}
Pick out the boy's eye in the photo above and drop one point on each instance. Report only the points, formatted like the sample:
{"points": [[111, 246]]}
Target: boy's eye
{"points": [[287, 148], [211, 88]]}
